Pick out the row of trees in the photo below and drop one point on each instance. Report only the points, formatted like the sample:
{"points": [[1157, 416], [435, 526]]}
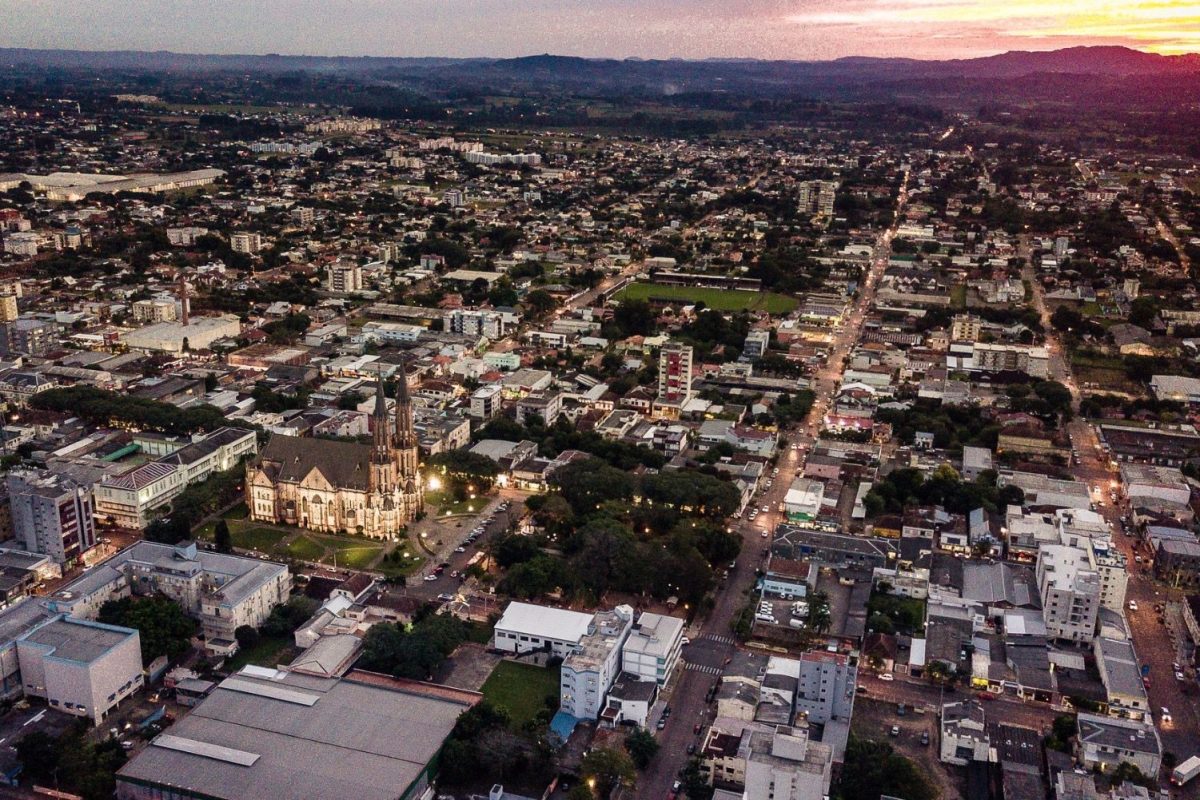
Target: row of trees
{"points": [[416, 653], [110, 409], [905, 487]]}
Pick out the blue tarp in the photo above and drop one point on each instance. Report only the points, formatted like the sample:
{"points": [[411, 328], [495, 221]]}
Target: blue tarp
{"points": [[561, 727]]}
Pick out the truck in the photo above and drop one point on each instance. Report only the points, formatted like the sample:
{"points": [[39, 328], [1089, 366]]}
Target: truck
{"points": [[1186, 771]]}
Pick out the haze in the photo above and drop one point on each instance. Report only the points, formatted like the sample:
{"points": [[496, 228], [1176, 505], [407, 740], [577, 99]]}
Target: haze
{"points": [[776, 29]]}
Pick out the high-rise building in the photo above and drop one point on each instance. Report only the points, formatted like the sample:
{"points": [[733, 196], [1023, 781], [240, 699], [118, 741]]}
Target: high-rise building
{"points": [[486, 402], [756, 343], [786, 765], [675, 374], [817, 197], [477, 323], [1070, 590], [345, 276], [246, 242], [52, 515], [8, 308]]}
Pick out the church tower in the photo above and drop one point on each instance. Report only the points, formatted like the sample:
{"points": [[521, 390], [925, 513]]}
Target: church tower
{"points": [[405, 448], [383, 468]]}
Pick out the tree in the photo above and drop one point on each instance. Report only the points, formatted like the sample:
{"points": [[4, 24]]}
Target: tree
{"points": [[221, 538], [540, 302], [1066, 318], [609, 768], [247, 637], [872, 769], [161, 624], [642, 747]]}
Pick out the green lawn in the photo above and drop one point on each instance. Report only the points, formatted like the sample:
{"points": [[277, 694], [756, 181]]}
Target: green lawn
{"points": [[444, 502], [357, 556], [521, 689], [717, 299], [958, 296], [269, 652], [304, 549], [264, 540]]}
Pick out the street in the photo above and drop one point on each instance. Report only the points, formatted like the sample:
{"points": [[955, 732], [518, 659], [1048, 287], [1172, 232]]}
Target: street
{"points": [[687, 697]]}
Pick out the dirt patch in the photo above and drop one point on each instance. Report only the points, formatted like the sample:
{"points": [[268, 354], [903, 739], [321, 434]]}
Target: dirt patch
{"points": [[874, 719], [469, 667]]}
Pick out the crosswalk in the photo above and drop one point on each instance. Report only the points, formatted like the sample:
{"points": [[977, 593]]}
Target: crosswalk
{"points": [[702, 668], [712, 637]]}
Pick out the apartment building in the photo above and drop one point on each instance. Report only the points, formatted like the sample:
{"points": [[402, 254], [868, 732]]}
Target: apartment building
{"points": [[345, 277], [155, 310], [51, 515], [786, 764], [469, 322], [825, 686], [486, 402], [1070, 592], [1033, 361], [246, 242], [652, 650], [589, 670], [675, 374]]}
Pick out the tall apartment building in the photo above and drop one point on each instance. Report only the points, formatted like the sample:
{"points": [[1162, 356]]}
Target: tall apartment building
{"points": [[589, 670], [477, 323], [486, 402], [965, 328], [31, 337], [756, 344], [185, 237], [817, 197], [785, 764], [345, 276], [8, 308], [51, 515], [155, 310], [825, 686], [652, 650], [246, 242], [675, 374], [303, 215], [1033, 361], [1070, 591]]}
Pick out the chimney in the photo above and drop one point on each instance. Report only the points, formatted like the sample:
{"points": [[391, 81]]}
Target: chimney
{"points": [[183, 297]]}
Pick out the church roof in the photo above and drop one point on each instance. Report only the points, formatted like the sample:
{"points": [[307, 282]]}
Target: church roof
{"points": [[346, 465]]}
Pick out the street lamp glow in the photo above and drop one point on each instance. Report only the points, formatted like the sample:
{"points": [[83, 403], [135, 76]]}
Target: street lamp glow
{"points": [[435, 482]]}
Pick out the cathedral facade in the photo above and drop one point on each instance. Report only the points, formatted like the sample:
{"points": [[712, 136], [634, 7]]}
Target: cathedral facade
{"points": [[373, 490]]}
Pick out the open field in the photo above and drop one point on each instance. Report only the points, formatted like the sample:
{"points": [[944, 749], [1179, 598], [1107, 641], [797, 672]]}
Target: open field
{"points": [[718, 299], [521, 689]]}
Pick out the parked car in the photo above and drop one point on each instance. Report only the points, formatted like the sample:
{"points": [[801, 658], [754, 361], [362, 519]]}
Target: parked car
{"points": [[925, 737], [1133, 606], [887, 676], [895, 731]]}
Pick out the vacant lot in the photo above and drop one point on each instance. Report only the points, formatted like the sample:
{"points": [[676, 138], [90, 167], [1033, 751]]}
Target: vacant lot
{"points": [[521, 689], [717, 299]]}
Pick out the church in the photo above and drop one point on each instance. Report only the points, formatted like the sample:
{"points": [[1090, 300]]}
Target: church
{"points": [[373, 490]]}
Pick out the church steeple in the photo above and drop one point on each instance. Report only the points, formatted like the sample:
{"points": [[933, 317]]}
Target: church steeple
{"points": [[381, 447], [405, 436]]}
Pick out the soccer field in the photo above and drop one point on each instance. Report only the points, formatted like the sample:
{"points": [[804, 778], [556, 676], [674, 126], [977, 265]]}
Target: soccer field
{"points": [[717, 299]]}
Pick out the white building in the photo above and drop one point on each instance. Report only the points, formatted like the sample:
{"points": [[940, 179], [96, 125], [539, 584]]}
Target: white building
{"points": [[825, 686], [246, 242], [186, 236], [51, 515], [529, 628], [1033, 361], [652, 650], [1105, 742], [675, 374], [477, 323], [1070, 591], [786, 765], [345, 277], [486, 402], [155, 310], [175, 337], [80, 667], [590, 668]]}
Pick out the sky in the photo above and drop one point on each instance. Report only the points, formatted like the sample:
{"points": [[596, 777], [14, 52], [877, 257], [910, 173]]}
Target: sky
{"points": [[783, 29]]}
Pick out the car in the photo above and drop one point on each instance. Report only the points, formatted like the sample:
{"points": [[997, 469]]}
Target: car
{"points": [[763, 533], [676, 786], [766, 509], [1175, 665], [1146, 682], [662, 723], [925, 738], [732, 565], [860, 689], [691, 748], [455, 574], [126, 744], [431, 578], [986, 697], [1133, 606], [1179, 676], [1165, 714], [685, 641], [895, 731], [666, 711], [900, 710], [887, 676], [445, 597]]}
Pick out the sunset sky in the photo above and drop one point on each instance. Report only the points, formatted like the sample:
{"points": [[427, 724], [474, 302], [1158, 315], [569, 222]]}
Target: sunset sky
{"points": [[786, 29]]}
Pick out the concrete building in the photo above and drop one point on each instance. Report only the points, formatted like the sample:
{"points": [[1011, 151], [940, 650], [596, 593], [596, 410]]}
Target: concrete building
{"points": [[223, 591], [175, 337], [965, 328], [155, 310], [288, 736], [489, 324], [246, 242], [185, 236], [1033, 361], [51, 515], [1120, 672], [529, 628], [80, 667], [1070, 592], [345, 277], [825, 686], [787, 765], [31, 337], [590, 668], [756, 344], [486, 402], [963, 734], [652, 650], [675, 374], [545, 406], [129, 499], [817, 197]]}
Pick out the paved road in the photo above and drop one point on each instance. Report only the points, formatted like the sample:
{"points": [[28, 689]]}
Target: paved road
{"points": [[713, 641]]}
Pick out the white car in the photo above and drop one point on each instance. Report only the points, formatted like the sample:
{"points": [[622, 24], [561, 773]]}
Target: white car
{"points": [[766, 509], [1133, 606], [764, 533], [1165, 714], [887, 676], [430, 578]]}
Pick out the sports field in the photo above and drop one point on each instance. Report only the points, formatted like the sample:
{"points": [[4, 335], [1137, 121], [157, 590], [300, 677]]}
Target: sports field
{"points": [[717, 299]]}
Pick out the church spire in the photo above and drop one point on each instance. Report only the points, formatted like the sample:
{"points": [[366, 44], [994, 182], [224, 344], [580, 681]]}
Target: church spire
{"points": [[381, 449], [405, 437]]}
